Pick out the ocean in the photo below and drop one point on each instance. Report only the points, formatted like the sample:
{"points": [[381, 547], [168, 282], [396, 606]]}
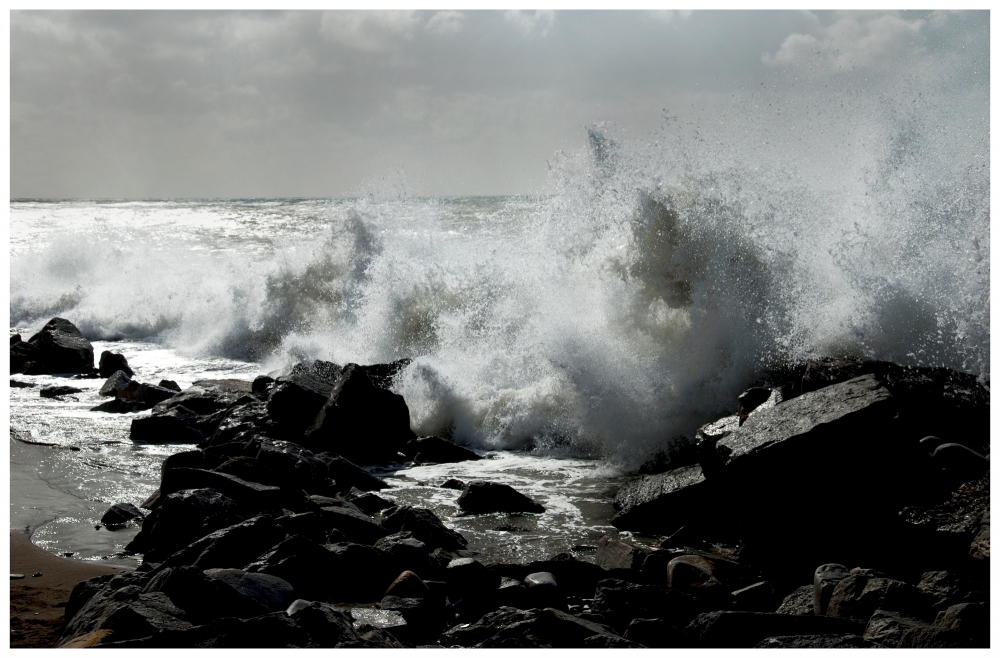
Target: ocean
{"points": [[568, 336]]}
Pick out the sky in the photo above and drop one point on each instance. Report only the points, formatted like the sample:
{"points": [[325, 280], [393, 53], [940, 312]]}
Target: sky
{"points": [[182, 104]]}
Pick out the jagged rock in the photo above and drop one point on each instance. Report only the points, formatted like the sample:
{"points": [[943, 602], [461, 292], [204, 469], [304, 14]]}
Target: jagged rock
{"points": [[980, 548], [233, 546], [663, 502], [112, 362], [657, 634], [859, 596], [202, 597], [115, 383], [435, 450], [295, 400], [383, 374], [615, 554], [620, 602], [750, 399], [825, 579], [121, 514], [424, 617], [144, 395], [58, 391], [799, 602], [261, 386], [425, 527], [327, 626], [886, 628], [731, 629], [21, 354], [240, 422], [275, 630], [361, 422], [964, 625], [291, 464], [945, 589], [410, 553], [347, 474], [16, 383], [492, 623], [59, 347], [947, 529], [486, 497], [249, 495], [183, 517], [355, 525], [827, 641]]}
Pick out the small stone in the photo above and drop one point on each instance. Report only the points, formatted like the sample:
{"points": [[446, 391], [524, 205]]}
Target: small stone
{"points": [[16, 576], [36, 574]]}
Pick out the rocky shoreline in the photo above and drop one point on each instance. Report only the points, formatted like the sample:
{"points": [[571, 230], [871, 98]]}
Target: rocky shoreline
{"points": [[844, 504]]}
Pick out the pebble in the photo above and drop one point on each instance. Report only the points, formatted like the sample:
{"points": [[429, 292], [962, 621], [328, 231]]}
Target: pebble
{"points": [[36, 574], [16, 576]]}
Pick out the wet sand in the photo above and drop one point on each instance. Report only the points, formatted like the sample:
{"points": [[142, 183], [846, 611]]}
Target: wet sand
{"points": [[37, 602]]}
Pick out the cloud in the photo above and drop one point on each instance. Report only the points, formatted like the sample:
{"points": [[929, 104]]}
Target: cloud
{"points": [[531, 22], [445, 22], [368, 31], [669, 15], [856, 40]]}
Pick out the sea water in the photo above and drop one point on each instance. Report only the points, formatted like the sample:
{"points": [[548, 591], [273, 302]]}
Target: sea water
{"points": [[566, 336]]}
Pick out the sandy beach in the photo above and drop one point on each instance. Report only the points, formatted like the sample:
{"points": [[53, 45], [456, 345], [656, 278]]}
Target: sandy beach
{"points": [[37, 602]]}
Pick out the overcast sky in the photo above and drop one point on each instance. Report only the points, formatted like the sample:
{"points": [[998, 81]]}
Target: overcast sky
{"points": [[259, 104]]}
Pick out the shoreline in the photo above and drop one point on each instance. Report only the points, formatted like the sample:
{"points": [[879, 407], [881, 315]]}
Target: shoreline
{"points": [[37, 603]]}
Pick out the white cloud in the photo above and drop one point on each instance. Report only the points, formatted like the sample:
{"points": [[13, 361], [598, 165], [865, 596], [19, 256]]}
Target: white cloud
{"points": [[445, 22], [531, 22], [855, 40], [369, 31]]}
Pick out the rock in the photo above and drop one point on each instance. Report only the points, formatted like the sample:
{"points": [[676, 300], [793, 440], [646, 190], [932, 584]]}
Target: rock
{"points": [[16, 383], [559, 629], [240, 422], [614, 554], [208, 396], [663, 502], [368, 503], [542, 591], [355, 526], [271, 592], [827, 641], [61, 348], [202, 597], [249, 495], [233, 546], [886, 628], [466, 576], [964, 625], [750, 399], [758, 597], [945, 589], [620, 602], [169, 384], [452, 483], [327, 627], [183, 517], [503, 620], [292, 465], [486, 497], [575, 577], [262, 385], [799, 602], [58, 391], [945, 531], [383, 375], [425, 527], [696, 575], [145, 395], [361, 422], [980, 548], [120, 514], [295, 400], [347, 474], [112, 362], [175, 425], [435, 450], [424, 617], [657, 634], [961, 464], [858, 597], [21, 354], [411, 554], [115, 383], [825, 579], [729, 629], [408, 585]]}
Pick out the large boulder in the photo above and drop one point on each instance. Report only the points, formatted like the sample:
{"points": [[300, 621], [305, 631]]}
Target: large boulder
{"points": [[484, 497], [184, 517], [730, 629], [294, 400], [360, 421], [21, 354], [664, 502], [435, 450], [116, 382], [233, 546], [424, 526], [112, 362], [60, 347]]}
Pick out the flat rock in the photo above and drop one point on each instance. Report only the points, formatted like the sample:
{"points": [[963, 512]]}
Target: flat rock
{"points": [[662, 502], [486, 497]]}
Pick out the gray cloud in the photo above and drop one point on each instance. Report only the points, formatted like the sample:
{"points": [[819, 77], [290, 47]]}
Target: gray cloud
{"points": [[253, 104]]}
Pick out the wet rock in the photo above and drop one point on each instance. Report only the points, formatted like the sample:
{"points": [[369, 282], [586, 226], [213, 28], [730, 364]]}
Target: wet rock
{"points": [[292, 465], [359, 421], [410, 553], [112, 362], [825, 579], [657, 634], [115, 383], [827, 641], [614, 554], [424, 617], [960, 463], [22, 353], [383, 375], [271, 592], [575, 577], [504, 619], [435, 450], [945, 588], [16, 383], [355, 526], [275, 630], [946, 530], [144, 395], [799, 602], [452, 483], [424, 526], [327, 626], [466, 575], [859, 596], [620, 602], [730, 629], [347, 474], [295, 400], [486, 497], [663, 502], [368, 503], [750, 399], [408, 585], [542, 591], [886, 628], [980, 548], [170, 384], [120, 514], [262, 385], [202, 597], [249, 495], [233, 546], [183, 517], [240, 422], [60, 348], [58, 391], [175, 425]]}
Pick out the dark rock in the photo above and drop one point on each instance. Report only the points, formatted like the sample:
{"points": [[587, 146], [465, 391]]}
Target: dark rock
{"points": [[435, 450], [183, 517], [356, 526], [59, 348], [295, 400], [208, 396], [21, 354], [291, 464], [825, 579], [261, 386], [58, 391], [886, 628], [452, 483], [945, 531], [859, 596], [347, 474], [466, 575], [543, 591], [486, 497], [275, 630], [726, 629], [116, 382], [240, 422], [327, 626], [828, 641], [758, 597], [170, 384], [411, 554], [425, 527], [308, 524], [408, 585], [960, 463], [249, 495], [175, 425], [202, 597], [799, 602], [620, 602], [614, 554], [361, 422], [112, 362], [368, 503], [424, 617], [980, 547], [16, 383], [383, 375], [663, 502], [121, 514], [271, 592], [145, 395], [575, 577], [750, 399], [945, 588], [657, 634], [233, 546], [504, 619]]}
